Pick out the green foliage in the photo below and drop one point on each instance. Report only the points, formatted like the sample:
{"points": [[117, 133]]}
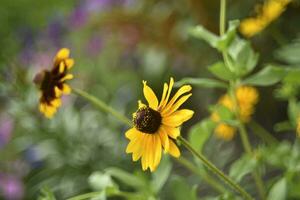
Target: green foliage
{"points": [[181, 190], [201, 82], [279, 190]]}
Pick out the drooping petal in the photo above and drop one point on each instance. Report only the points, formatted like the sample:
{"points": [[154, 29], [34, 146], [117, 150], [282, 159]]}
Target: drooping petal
{"points": [[177, 117], [56, 102], [184, 89], [164, 139], [57, 91], [61, 67], [172, 132], [150, 96], [157, 155], [173, 150], [139, 150], [176, 105], [132, 133]]}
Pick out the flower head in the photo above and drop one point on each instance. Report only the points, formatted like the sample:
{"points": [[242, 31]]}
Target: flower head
{"points": [[268, 12], [247, 98], [52, 83], [157, 125]]}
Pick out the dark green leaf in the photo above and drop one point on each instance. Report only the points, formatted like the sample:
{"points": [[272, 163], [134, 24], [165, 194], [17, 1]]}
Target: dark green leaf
{"points": [[267, 76], [201, 82], [283, 126]]}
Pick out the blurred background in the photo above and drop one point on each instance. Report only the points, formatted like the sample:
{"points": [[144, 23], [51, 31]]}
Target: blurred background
{"points": [[116, 44]]}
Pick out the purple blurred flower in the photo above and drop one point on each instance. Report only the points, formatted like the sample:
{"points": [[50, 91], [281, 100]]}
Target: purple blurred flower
{"points": [[33, 157], [94, 45], [11, 187], [6, 127], [55, 32], [78, 17]]}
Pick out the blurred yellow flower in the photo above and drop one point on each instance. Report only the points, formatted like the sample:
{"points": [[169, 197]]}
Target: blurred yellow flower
{"points": [[247, 98], [52, 83], [268, 12], [157, 125]]}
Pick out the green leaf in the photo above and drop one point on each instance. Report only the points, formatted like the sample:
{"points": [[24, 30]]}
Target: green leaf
{"points": [[221, 71], [267, 76], [244, 59], [200, 132], [283, 126], [100, 181], [220, 43], [226, 39], [289, 53], [126, 178], [46, 194], [293, 111], [279, 190], [201, 33], [181, 190], [201, 82], [160, 176], [242, 167]]}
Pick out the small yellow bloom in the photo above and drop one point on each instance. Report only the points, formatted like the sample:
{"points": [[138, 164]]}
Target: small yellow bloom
{"points": [[156, 125], [225, 131], [270, 11], [247, 98], [52, 83]]}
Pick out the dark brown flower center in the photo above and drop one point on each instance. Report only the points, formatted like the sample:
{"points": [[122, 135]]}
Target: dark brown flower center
{"points": [[147, 120]]}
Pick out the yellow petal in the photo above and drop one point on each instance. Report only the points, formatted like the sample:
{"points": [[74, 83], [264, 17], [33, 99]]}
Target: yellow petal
{"points": [[144, 149], [57, 91], [49, 111], [133, 145], [165, 101], [157, 155], [181, 91], [173, 150], [150, 96], [139, 150], [61, 67], [62, 54], [66, 89], [175, 106], [67, 77], [56, 103], [171, 131], [164, 139], [132, 133], [69, 63], [163, 96], [177, 118]]}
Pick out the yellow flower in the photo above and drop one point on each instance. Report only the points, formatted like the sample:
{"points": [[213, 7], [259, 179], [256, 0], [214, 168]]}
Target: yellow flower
{"points": [[247, 98], [225, 131], [271, 10], [52, 83], [156, 125]]}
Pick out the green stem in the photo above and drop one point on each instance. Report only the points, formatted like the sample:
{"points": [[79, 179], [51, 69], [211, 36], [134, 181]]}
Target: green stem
{"points": [[222, 17], [263, 133], [102, 106], [245, 141], [91, 195], [203, 175], [214, 169]]}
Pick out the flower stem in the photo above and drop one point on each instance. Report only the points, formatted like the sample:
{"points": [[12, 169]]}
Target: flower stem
{"points": [[215, 170], [90, 195], [102, 106], [205, 176], [222, 17]]}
